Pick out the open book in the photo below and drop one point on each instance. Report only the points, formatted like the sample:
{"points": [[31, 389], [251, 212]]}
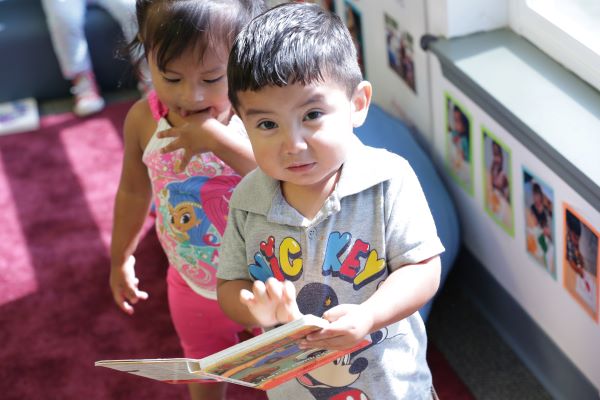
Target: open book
{"points": [[262, 362]]}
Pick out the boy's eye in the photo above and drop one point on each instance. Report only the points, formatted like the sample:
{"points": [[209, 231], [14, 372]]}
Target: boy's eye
{"points": [[312, 115], [214, 80], [267, 125]]}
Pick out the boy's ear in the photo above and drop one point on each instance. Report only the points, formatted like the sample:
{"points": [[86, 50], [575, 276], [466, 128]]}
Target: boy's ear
{"points": [[361, 99]]}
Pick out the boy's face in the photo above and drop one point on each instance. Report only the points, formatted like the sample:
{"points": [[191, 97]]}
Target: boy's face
{"points": [[188, 86], [300, 135]]}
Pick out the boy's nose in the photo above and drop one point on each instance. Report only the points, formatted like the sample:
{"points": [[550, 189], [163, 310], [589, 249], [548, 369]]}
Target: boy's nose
{"points": [[294, 141]]}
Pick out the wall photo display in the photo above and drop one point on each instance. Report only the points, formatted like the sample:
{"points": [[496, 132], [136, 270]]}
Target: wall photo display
{"points": [[400, 51], [497, 181], [580, 269], [539, 221], [354, 23], [459, 143]]}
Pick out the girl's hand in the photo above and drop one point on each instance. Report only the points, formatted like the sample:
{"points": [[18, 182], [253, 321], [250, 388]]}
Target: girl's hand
{"points": [[350, 323], [124, 286], [200, 135], [271, 303]]}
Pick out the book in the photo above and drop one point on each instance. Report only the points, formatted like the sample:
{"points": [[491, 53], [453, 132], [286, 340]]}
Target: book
{"points": [[262, 362], [19, 116]]}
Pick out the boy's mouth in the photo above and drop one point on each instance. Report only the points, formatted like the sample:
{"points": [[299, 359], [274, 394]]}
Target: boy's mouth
{"points": [[300, 167]]}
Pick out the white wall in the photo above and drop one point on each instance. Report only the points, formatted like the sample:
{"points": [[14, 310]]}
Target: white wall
{"points": [[452, 18], [541, 295]]}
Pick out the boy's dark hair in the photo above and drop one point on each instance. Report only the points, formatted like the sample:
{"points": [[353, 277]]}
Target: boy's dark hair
{"points": [[171, 27], [292, 43]]}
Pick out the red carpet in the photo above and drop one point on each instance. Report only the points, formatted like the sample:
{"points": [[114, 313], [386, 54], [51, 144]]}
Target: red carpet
{"points": [[56, 313]]}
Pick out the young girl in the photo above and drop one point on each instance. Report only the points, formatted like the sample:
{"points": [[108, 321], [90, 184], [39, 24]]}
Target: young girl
{"points": [[186, 44]]}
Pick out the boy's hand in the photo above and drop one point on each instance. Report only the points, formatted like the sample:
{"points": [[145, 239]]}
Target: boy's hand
{"points": [[124, 286], [271, 303], [350, 323], [199, 135]]}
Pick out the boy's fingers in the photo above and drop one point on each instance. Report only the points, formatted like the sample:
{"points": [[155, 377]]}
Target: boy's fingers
{"points": [[274, 289], [334, 314], [260, 291], [289, 298], [289, 291], [246, 296]]}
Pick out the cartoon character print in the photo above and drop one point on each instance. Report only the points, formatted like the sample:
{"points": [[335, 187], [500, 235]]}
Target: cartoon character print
{"points": [[333, 380], [351, 261], [194, 216]]}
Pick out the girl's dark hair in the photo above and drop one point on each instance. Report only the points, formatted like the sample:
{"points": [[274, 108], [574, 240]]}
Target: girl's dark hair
{"points": [[292, 43], [171, 27]]}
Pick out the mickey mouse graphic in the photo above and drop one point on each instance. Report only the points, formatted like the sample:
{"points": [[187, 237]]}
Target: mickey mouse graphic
{"points": [[332, 380]]}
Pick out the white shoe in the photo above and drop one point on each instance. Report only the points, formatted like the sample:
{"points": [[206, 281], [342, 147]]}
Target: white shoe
{"points": [[87, 97]]}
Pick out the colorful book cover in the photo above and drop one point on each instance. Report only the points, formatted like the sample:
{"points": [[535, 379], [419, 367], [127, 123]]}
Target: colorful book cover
{"points": [[262, 362]]}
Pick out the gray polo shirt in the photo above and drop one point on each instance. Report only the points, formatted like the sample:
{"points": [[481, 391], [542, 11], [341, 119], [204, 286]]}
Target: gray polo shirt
{"points": [[375, 221]]}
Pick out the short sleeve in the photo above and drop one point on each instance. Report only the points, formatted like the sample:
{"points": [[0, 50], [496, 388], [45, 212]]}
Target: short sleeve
{"points": [[233, 264], [411, 235]]}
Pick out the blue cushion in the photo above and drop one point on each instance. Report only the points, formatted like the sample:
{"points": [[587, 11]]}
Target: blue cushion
{"points": [[384, 130]]}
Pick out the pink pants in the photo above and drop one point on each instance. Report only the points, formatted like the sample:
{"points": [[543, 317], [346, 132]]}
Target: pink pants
{"points": [[202, 327]]}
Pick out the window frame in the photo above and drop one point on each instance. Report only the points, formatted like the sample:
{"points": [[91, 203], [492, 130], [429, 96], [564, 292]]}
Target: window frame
{"points": [[555, 42]]}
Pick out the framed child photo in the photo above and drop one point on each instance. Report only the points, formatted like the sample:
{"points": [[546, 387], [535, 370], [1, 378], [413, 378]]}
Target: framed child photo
{"points": [[497, 181], [580, 261], [538, 200], [354, 24], [400, 51], [459, 148]]}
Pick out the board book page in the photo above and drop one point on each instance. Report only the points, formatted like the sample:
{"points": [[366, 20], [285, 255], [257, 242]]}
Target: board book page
{"points": [[262, 362]]}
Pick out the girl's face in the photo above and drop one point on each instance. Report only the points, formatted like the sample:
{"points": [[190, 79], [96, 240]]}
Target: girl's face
{"points": [[188, 86]]}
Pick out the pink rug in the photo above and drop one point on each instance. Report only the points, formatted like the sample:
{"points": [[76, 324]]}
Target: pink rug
{"points": [[57, 315]]}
